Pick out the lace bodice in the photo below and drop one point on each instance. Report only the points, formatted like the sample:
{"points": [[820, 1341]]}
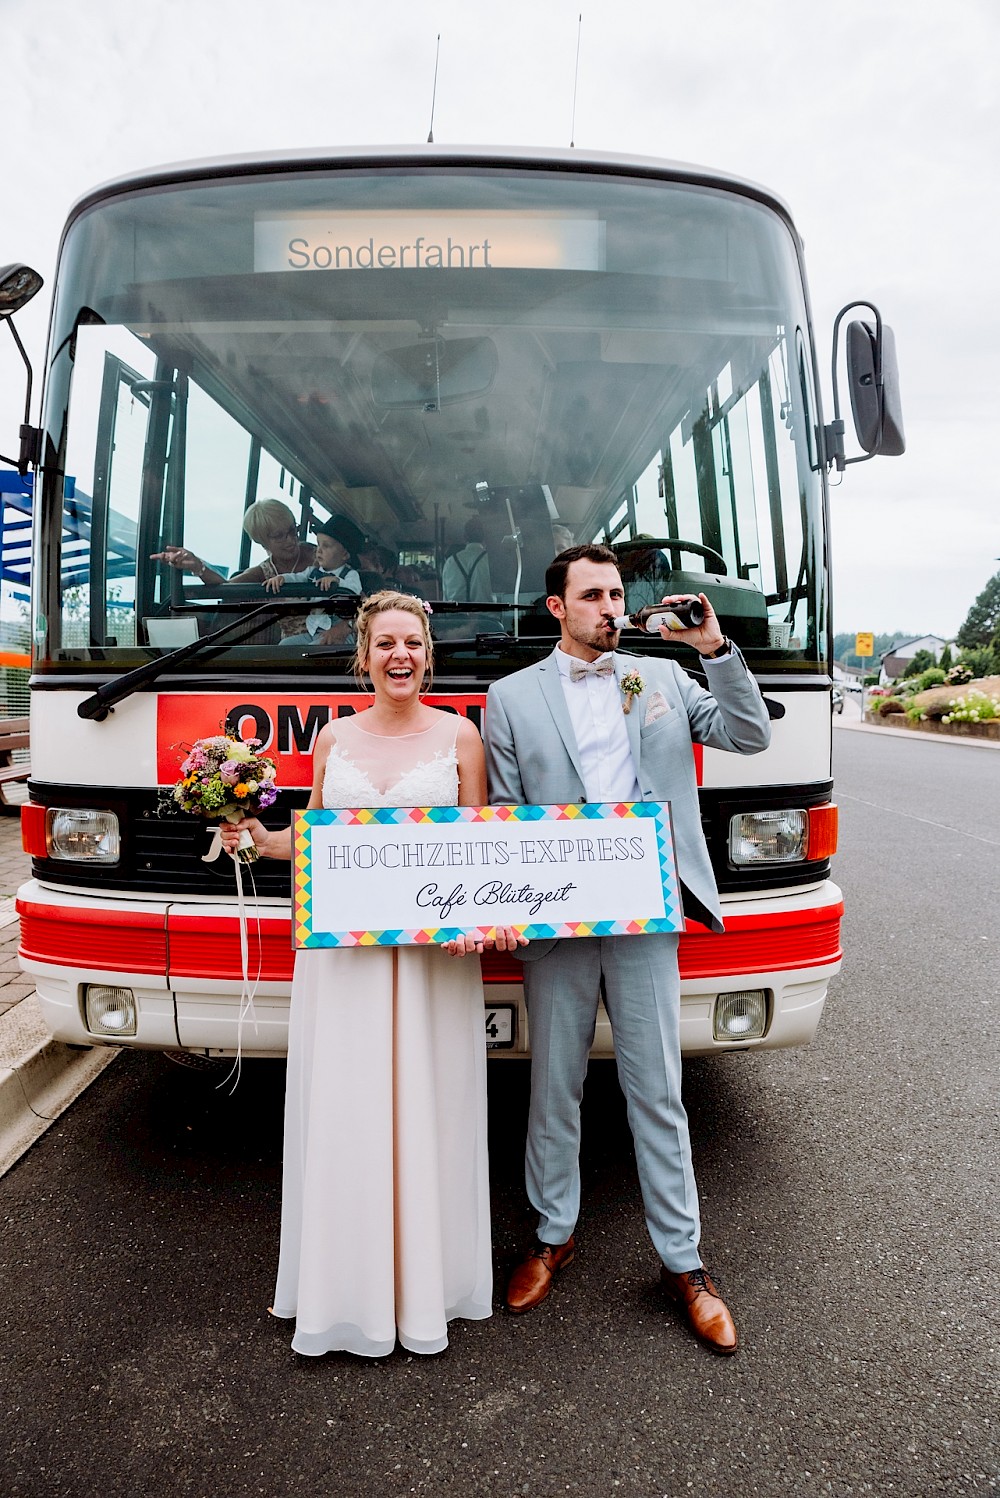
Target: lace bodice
{"points": [[412, 769]]}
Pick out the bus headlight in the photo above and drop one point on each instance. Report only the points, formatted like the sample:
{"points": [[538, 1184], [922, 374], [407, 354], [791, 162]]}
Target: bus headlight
{"points": [[769, 837], [740, 1016], [110, 1011], [81, 834], [786, 836]]}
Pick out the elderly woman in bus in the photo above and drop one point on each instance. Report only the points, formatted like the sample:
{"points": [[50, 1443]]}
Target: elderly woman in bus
{"points": [[272, 525]]}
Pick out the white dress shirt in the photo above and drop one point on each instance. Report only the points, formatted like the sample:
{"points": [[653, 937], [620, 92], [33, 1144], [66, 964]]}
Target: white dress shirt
{"points": [[596, 706]]}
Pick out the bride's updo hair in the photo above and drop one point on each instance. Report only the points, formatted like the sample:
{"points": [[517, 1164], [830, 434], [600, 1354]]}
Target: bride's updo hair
{"points": [[382, 603]]}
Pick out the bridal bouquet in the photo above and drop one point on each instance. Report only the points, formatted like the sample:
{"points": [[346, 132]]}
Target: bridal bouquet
{"points": [[225, 778]]}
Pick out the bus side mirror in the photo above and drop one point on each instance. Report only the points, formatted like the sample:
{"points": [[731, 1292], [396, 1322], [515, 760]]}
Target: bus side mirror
{"points": [[874, 382], [878, 415], [18, 284]]}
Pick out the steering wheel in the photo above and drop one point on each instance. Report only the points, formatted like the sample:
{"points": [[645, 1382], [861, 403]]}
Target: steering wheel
{"points": [[674, 543]]}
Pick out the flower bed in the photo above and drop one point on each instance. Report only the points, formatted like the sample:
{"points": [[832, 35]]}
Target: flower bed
{"points": [[971, 710], [988, 730]]}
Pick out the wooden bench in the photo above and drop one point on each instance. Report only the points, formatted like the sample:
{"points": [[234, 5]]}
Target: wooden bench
{"points": [[13, 735]]}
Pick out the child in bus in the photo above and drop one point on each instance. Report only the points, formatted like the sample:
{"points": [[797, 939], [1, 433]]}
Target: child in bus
{"points": [[332, 570]]}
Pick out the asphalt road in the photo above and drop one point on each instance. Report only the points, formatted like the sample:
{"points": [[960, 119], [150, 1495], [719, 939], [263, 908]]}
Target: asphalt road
{"points": [[850, 1209]]}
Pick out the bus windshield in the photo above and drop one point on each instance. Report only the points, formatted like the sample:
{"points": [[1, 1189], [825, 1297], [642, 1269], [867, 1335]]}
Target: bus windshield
{"points": [[443, 377]]}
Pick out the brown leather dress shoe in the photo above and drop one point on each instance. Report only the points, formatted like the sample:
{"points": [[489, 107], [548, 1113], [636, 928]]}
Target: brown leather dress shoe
{"points": [[707, 1313], [532, 1279]]}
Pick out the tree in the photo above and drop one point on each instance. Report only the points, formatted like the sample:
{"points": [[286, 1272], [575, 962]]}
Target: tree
{"points": [[983, 619], [981, 661], [921, 662]]}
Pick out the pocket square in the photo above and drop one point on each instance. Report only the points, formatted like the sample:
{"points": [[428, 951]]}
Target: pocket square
{"points": [[657, 706]]}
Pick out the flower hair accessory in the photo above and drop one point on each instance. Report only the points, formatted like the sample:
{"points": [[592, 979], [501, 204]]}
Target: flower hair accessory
{"points": [[631, 684], [425, 606]]}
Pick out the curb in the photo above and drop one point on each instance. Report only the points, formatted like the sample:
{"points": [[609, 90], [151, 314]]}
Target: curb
{"points": [[915, 733], [39, 1077]]}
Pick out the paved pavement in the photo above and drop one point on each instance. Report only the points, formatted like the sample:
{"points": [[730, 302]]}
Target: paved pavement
{"points": [[39, 1076], [15, 867]]}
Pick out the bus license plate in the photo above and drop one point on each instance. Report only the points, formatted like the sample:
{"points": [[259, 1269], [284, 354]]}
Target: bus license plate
{"points": [[499, 1027]]}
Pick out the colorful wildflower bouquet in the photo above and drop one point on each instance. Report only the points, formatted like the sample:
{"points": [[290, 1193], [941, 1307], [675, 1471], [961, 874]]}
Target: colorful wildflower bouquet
{"points": [[225, 778]]}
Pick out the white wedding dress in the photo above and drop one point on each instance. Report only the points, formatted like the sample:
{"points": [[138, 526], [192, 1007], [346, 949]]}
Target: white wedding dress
{"points": [[385, 1227]]}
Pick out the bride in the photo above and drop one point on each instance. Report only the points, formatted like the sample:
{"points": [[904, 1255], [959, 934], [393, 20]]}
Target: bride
{"points": [[385, 1228]]}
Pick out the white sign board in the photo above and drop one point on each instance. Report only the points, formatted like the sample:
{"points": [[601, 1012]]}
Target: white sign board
{"points": [[402, 876]]}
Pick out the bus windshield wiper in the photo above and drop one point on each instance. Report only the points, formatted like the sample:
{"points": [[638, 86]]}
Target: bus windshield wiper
{"points": [[102, 702]]}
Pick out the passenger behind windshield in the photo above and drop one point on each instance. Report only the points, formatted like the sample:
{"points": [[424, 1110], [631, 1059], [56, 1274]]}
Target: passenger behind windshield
{"points": [[271, 524], [332, 570], [377, 566], [465, 576]]}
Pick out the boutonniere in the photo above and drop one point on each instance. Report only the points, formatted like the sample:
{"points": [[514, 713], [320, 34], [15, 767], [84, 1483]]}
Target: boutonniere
{"points": [[631, 684]]}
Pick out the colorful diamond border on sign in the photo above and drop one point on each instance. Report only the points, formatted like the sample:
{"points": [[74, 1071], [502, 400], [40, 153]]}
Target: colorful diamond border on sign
{"points": [[304, 936]]}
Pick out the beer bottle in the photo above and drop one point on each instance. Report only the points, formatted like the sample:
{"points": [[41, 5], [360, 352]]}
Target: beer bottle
{"points": [[657, 616]]}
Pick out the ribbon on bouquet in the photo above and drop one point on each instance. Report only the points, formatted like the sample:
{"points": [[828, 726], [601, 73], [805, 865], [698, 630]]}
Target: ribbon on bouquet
{"points": [[248, 989]]}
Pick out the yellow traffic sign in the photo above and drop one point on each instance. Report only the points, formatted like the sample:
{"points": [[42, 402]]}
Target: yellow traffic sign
{"points": [[864, 644]]}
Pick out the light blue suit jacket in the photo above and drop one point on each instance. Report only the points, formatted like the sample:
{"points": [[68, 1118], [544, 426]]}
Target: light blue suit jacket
{"points": [[532, 758]]}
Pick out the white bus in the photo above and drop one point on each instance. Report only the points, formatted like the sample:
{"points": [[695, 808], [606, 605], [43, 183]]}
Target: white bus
{"points": [[463, 353]]}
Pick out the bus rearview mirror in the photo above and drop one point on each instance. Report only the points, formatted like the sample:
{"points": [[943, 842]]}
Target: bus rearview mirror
{"points": [[434, 372]]}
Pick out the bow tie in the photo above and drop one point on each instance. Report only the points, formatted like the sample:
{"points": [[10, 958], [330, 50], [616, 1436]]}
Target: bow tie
{"points": [[591, 668]]}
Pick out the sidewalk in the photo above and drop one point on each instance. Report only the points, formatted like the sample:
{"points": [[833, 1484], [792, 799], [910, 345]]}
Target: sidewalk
{"points": [[15, 868], [39, 1076], [851, 721]]}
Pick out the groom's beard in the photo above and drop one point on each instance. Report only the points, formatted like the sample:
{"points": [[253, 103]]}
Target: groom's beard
{"points": [[596, 638]]}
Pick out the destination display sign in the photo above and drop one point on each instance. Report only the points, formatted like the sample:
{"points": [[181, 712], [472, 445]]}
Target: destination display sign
{"points": [[428, 240], [404, 876]]}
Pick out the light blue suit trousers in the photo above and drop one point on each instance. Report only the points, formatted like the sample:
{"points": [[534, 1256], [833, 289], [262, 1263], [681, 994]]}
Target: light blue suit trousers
{"points": [[642, 997]]}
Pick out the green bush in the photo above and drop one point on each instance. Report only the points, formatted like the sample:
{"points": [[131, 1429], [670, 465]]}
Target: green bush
{"points": [[922, 661], [983, 662], [932, 678]]}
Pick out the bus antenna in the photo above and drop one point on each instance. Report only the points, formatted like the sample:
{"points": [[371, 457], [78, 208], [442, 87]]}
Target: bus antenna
{"points": [[576, 79], [434, 90]]}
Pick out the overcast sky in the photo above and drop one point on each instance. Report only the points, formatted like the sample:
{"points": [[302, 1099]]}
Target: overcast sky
{"points": [[876, 120]]}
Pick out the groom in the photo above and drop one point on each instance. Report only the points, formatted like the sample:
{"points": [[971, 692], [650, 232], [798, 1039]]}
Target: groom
{"points": [[556, 732]]}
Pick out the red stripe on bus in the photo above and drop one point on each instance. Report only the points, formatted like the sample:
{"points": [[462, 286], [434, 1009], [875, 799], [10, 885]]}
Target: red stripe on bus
{"points": [[769, 948], [209, 946], [201, 948], [75, 937], [751, 944]]}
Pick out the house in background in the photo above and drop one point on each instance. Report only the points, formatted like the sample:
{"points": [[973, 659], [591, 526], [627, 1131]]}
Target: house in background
{"points": [[895, 661]]}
